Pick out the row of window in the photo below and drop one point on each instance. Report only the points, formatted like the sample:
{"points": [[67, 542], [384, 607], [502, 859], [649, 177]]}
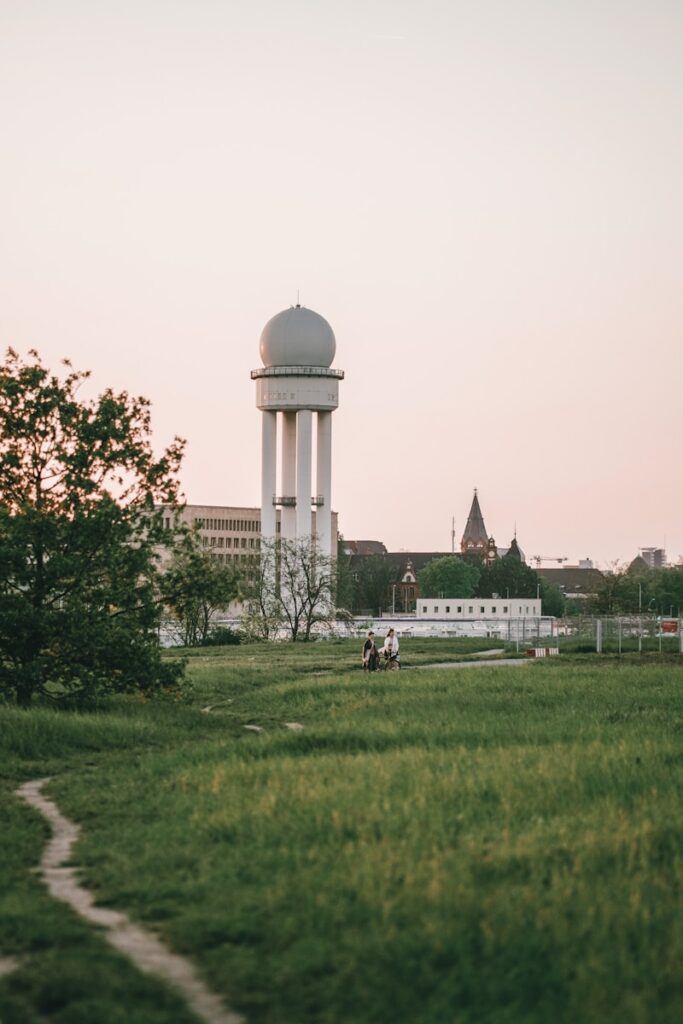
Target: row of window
{"points": [[229, 542], [230, 557], [482, 610], [237, 525]]}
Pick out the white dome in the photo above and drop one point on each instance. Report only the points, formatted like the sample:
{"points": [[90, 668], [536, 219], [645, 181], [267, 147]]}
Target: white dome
{"points": [[297, 337]]}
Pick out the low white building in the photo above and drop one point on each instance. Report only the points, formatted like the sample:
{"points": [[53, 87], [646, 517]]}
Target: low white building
{"points": [[502, 618], [464, 608]]}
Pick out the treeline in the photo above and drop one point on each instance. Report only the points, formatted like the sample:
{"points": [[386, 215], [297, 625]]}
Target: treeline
{"points": [[639, 590], [366, 584]]}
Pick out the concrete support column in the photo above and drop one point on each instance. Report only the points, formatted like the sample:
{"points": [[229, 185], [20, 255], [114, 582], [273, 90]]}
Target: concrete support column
{"points": [[268, 473], [288, 527], [323, 515], [304, 425]]}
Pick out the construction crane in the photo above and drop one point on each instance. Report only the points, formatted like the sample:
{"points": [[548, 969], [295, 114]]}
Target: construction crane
{"points": [[547, 558]]}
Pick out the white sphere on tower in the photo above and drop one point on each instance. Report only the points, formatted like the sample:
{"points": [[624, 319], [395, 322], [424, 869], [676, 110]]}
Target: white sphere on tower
{"points": [[297, 337]]}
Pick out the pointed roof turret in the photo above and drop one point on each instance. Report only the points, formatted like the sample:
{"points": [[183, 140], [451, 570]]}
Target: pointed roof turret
{"points": [[513, 550], [475, 537]]}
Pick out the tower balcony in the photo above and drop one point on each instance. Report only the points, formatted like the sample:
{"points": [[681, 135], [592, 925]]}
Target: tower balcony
{"points": [[296, 371], [289, 501]]}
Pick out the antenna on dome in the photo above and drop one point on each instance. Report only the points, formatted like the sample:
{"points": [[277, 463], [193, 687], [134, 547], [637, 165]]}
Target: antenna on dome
{"points": [[298, 304]]}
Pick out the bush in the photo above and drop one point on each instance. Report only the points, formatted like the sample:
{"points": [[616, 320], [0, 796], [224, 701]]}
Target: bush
{"points": [[222, 636]]}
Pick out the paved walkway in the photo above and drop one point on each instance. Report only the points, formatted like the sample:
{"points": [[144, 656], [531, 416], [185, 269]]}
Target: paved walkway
{"points": [[517, 662], [146, 951]]}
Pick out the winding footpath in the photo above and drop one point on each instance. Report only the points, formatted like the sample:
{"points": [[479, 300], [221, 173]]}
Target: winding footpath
{"points": [[145, 950]]}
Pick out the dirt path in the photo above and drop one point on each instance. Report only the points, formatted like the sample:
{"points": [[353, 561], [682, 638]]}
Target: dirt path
{"points": [[146, 951], [517, 662]]}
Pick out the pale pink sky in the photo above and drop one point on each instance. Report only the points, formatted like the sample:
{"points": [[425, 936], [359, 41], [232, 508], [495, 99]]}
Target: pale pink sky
{"points": [[484, 199]]}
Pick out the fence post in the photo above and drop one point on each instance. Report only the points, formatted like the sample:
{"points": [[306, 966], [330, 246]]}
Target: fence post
{"points": [[598, 636], [619, 629]]}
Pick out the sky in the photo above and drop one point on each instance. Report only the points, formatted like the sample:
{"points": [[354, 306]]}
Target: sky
{"points": [[482, 198]]}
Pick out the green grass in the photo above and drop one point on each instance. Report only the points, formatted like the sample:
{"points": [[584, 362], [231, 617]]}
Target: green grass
{"points": [[490, 845]]}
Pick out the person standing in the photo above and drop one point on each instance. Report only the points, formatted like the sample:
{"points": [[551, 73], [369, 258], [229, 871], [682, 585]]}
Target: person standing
{"points": [[370, 653]]}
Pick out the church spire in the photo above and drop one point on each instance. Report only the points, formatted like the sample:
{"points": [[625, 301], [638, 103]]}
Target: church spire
{"points": [[475, 537]]}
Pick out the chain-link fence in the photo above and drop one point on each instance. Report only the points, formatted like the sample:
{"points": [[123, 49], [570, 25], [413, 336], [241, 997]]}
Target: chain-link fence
{"points": [[619, 634]]}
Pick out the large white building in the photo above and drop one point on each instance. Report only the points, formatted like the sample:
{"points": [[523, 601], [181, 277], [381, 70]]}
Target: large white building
{"points": [[296, 381]]}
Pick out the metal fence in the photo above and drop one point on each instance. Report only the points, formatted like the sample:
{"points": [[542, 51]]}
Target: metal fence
{"points": [[620, 634]]}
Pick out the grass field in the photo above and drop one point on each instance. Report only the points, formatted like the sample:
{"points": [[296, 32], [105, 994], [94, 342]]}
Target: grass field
{"points": [[491, 845]]}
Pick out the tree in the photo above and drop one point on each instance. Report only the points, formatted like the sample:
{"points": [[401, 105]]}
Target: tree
{"points": [[667, 589], [640, 589], [292, 591], [552, 599], [508, 576], [196, 585], [372, 578], [79, 536], [448, 577], [346, 583]]}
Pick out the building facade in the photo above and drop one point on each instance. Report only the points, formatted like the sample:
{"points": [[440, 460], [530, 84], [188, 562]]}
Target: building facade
{"points": [[231, 533]]}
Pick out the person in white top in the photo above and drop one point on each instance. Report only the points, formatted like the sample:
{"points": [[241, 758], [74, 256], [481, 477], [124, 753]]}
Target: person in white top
{"points": [[390, 649]]}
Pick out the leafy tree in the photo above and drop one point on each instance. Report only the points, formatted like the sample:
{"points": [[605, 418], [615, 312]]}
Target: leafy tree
{"points": [[372, 578], [79, 536], [616, 590], [508, 576], [196, 585], [552, 599], [346, 583], [640, 589], [448, 577], [666, 586]]}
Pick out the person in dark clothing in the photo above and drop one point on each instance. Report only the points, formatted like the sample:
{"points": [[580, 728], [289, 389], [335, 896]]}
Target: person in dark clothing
{"points": [[370, 655]]}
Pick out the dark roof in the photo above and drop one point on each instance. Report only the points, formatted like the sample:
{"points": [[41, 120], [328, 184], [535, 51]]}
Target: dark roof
{"points": [[363, 547], [638, 565], [419, 558], [475, 530], [572, 580], [399, 559]]}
